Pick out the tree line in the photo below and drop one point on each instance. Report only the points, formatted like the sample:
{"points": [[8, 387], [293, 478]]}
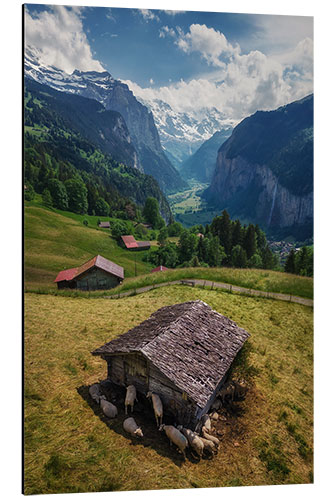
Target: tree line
{"points": [[222, 243], [300, 262]]}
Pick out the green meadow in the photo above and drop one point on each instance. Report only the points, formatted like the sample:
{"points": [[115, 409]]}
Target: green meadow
{"points": [[56, 240], [71, 447]]}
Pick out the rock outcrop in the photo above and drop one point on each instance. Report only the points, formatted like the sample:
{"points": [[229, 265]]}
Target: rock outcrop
{"points": [[264, 171]]}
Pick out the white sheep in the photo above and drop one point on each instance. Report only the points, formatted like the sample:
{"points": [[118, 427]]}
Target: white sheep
{"points": [[194, 440], [176, 437], [95, 392], [109, 410], [130, 397], [132, 428], [157, 405], [208, 436], [206, 422]]}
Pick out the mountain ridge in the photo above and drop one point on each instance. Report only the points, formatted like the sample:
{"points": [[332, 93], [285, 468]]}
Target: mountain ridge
{"points": [[264, 171], [59, 143], [116, 96]]}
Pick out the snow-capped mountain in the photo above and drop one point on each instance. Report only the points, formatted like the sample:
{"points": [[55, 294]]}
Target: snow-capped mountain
{"points": [[182, 133], [116, 96]]}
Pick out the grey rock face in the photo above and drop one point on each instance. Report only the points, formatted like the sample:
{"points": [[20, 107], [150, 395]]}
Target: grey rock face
{"points": [[271, 203]]}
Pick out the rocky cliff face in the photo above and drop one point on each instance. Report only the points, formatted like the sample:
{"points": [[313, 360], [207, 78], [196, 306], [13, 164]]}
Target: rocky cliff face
{"points": [[115, 96], [264, 171], [253, 192]]}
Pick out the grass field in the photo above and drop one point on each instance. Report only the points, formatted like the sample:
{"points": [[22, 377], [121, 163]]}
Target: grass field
{"points": [[189, 199], [56, 240], [70, 447]]}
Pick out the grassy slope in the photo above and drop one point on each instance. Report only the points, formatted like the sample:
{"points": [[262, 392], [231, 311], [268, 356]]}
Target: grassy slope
{"points": [[56, 240], [70, 448]]}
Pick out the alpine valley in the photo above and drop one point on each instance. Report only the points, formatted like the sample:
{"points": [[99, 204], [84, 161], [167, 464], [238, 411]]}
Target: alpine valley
{"points": [[261, 170]]}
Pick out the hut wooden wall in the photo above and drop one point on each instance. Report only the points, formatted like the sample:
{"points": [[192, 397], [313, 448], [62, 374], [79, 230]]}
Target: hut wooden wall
{"points": [[96, 279], [135, 369]]}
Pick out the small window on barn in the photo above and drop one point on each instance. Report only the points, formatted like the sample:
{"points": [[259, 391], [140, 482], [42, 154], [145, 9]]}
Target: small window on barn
{"points": [[184, 396], [102, 282]]}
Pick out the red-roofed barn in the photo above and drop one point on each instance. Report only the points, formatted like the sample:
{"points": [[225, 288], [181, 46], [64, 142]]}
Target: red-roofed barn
{"points": [[130, 243], [95, 274], [158, 269]]}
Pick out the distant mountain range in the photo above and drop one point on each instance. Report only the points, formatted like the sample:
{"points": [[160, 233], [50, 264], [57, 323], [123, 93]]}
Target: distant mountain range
{"points": [[116, 96], [182, 133], [264, 171], [201, 164]]}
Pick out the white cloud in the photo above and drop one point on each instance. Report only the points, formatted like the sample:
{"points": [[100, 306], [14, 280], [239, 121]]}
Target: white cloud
{"points": [[151, 81], [210, 43], [109, 14], [242, 84], [58, 34], [165, 30], [276, 34], [174, 12], [149, 15]]}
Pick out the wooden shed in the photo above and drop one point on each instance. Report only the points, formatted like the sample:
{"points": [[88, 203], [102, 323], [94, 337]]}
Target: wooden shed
{"points": [[182, 352], [95, 274], [104, 225], [132, 244]]}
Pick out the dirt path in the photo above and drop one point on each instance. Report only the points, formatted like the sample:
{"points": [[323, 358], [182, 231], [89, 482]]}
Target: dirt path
{"points": [[213, 285]]}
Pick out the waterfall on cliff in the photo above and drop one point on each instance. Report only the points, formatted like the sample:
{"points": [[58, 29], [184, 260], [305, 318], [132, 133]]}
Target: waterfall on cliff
{"points": [[273, 204]]}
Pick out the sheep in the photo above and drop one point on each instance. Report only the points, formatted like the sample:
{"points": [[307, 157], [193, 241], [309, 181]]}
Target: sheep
{"points": [[176, 437], [209, 446], [109, 410], [132, 428], [95, 392], [208, 436], [206, 422], [158, 407], [193, 439], [130, 397]]}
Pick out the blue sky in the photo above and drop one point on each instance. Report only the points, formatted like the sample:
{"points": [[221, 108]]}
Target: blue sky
{"points": [[235, 62]]}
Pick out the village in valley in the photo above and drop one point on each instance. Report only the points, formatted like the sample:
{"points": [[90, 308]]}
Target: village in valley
{"points": [[168, 268]]}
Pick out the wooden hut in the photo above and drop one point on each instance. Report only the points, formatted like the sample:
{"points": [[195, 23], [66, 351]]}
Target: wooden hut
{"points": [[95, 274], [104, 225], [182, 352], [132, 244]]}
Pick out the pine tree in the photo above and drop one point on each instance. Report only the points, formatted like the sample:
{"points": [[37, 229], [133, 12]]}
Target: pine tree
{"points": [[238, 257], [221, 227], [236, 233], [250, 241], [290, 265]]}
